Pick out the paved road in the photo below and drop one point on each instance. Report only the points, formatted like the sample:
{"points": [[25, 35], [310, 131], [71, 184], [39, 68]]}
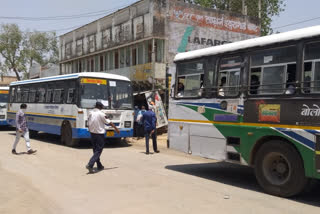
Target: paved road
{"points": [[55, 181]]}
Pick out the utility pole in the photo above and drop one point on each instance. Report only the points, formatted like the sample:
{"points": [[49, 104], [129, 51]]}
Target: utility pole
{"points": [[244, 7]]}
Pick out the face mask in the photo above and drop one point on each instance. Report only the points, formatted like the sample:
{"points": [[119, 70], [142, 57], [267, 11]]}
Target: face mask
{"points": [[24, 110]]}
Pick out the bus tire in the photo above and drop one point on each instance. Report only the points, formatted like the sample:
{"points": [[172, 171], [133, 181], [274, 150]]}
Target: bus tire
{"points": [[33, 133], [66, 135], [279, 169]]}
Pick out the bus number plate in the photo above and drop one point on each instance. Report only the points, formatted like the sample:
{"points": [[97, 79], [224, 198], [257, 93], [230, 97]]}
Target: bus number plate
{"points": [[110, 133]]}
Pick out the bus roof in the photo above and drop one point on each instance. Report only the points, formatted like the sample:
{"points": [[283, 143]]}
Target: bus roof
{"points": [[72, 76], [250, 43], [4, 88]]}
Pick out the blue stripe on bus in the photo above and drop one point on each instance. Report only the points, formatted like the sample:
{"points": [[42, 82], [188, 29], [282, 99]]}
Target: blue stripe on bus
{"points": [[43, 80], [299, 138], [3, 123]]}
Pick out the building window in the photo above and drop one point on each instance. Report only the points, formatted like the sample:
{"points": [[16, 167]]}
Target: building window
{"points": [[116, 59], [101, 63], [128, 56], [140, 54], [122, 62], [148, 51], [159, 50], [134, 56], [111, 64], [92, 65]]}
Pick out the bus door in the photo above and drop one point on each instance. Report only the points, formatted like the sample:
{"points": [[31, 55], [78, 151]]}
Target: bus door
{"points": [[231, 104]]}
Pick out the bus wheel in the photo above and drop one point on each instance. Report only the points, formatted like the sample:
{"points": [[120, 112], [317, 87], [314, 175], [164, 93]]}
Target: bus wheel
{"points": [[33, 133], [279, 169], [66, 135]]}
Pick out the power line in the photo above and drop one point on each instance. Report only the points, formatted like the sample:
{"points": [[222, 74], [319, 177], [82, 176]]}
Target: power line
{"points": [[75, 16], [296, 23]]}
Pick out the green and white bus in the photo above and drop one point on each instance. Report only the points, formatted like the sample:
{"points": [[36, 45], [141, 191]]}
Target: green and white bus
{"points": [[253, 102], [60, 104]]}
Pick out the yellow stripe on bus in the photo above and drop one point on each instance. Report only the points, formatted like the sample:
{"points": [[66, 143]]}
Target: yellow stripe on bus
{"points": [[4, 92], [317, 152], [50, 115], [245, 124]]}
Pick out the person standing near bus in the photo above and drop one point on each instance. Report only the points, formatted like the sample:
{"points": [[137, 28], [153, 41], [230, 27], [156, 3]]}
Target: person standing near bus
{"points": [[149, 120], [96, 122], [22, 130]]}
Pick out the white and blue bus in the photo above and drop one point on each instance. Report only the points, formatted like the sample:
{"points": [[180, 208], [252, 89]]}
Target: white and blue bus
{"points": [[60, 104], [4, 93]]}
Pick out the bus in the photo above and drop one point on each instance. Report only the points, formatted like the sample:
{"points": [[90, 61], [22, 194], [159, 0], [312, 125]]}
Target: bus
{"points": [[4, 93], [60, 104], [254, 102]]}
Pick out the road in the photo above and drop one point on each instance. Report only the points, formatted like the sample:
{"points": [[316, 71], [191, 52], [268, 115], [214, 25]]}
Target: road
{"points": [[54, 180]]}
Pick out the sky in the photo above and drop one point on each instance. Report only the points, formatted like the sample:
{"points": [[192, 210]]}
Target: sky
{"points": [[295, 11]]}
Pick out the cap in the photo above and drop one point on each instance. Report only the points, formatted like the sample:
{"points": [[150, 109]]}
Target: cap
{"points": [[99, 105]]}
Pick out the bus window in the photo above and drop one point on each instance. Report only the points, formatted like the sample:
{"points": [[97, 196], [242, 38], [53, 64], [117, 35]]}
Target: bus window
{"points": [[307, 73], [41, 94], [49, 95], [189, 80], [312, 68], [25, 94], [12, 94], [229, 76], [18, 95], [58, 95], [32, 95], [71, 96], [277, 73], [255, 80]]}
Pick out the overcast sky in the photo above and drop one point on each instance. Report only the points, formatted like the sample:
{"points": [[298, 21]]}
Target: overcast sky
{"points": [[295, 11]]}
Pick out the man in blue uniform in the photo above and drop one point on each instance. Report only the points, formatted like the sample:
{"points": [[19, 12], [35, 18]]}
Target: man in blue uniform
{"points": [[149, 121]]}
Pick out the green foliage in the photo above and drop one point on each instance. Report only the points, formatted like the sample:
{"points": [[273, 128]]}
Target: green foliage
{"points": [[269, 9], [20, 50]]}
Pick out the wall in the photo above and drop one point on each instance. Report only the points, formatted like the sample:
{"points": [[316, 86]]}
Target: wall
{"points": [[192, 27]]}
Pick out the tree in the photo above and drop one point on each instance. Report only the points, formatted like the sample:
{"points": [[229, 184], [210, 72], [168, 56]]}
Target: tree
{"points": [[40, 47], [21, 49], [11, 48], [269, 9]]}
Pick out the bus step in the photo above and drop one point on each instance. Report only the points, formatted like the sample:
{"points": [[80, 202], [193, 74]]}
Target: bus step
{"points": [[233, 141], [233, 156]]}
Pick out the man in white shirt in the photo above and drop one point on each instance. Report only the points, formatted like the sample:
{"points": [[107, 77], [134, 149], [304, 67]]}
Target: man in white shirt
{"points": [[96, 122]]}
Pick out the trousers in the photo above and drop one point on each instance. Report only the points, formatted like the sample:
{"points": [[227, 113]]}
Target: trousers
{"points": [[26, 137], [154, 140], [98, 142]]}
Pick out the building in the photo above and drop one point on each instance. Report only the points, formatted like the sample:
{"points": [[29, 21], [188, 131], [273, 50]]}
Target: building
{"points": [[38, 71], [141, 40]]}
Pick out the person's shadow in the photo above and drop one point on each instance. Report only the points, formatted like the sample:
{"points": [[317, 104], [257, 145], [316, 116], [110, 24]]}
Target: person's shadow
{"points": [[96, 170]]}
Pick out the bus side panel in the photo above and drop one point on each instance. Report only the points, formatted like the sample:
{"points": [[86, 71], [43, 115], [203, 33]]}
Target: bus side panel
{"points": [[206, 141], [179, 136]]}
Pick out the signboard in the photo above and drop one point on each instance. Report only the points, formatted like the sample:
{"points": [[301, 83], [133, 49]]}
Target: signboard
{"points": [[93, 81], [159, 108], [4, 92]]}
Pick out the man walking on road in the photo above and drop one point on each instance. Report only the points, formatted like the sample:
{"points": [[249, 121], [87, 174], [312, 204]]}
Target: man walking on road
{"points": [[149, 121], [22, 130], [96, 122]]}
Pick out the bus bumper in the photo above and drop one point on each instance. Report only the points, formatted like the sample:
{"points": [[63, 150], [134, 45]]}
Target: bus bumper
{"points": [[84, 133]]}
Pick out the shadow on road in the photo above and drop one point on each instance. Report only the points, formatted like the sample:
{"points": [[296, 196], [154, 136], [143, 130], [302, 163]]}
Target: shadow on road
{"points": [[7, 128], [239, 176], [83, 144]]}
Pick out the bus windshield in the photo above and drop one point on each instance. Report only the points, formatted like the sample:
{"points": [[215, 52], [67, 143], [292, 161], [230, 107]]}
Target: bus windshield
{"points": [[120, 95], [4, 97], [113, 94], [93, 90]]}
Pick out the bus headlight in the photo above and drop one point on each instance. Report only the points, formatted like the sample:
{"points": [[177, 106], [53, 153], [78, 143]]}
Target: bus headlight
{"points": [[127, 124]]}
